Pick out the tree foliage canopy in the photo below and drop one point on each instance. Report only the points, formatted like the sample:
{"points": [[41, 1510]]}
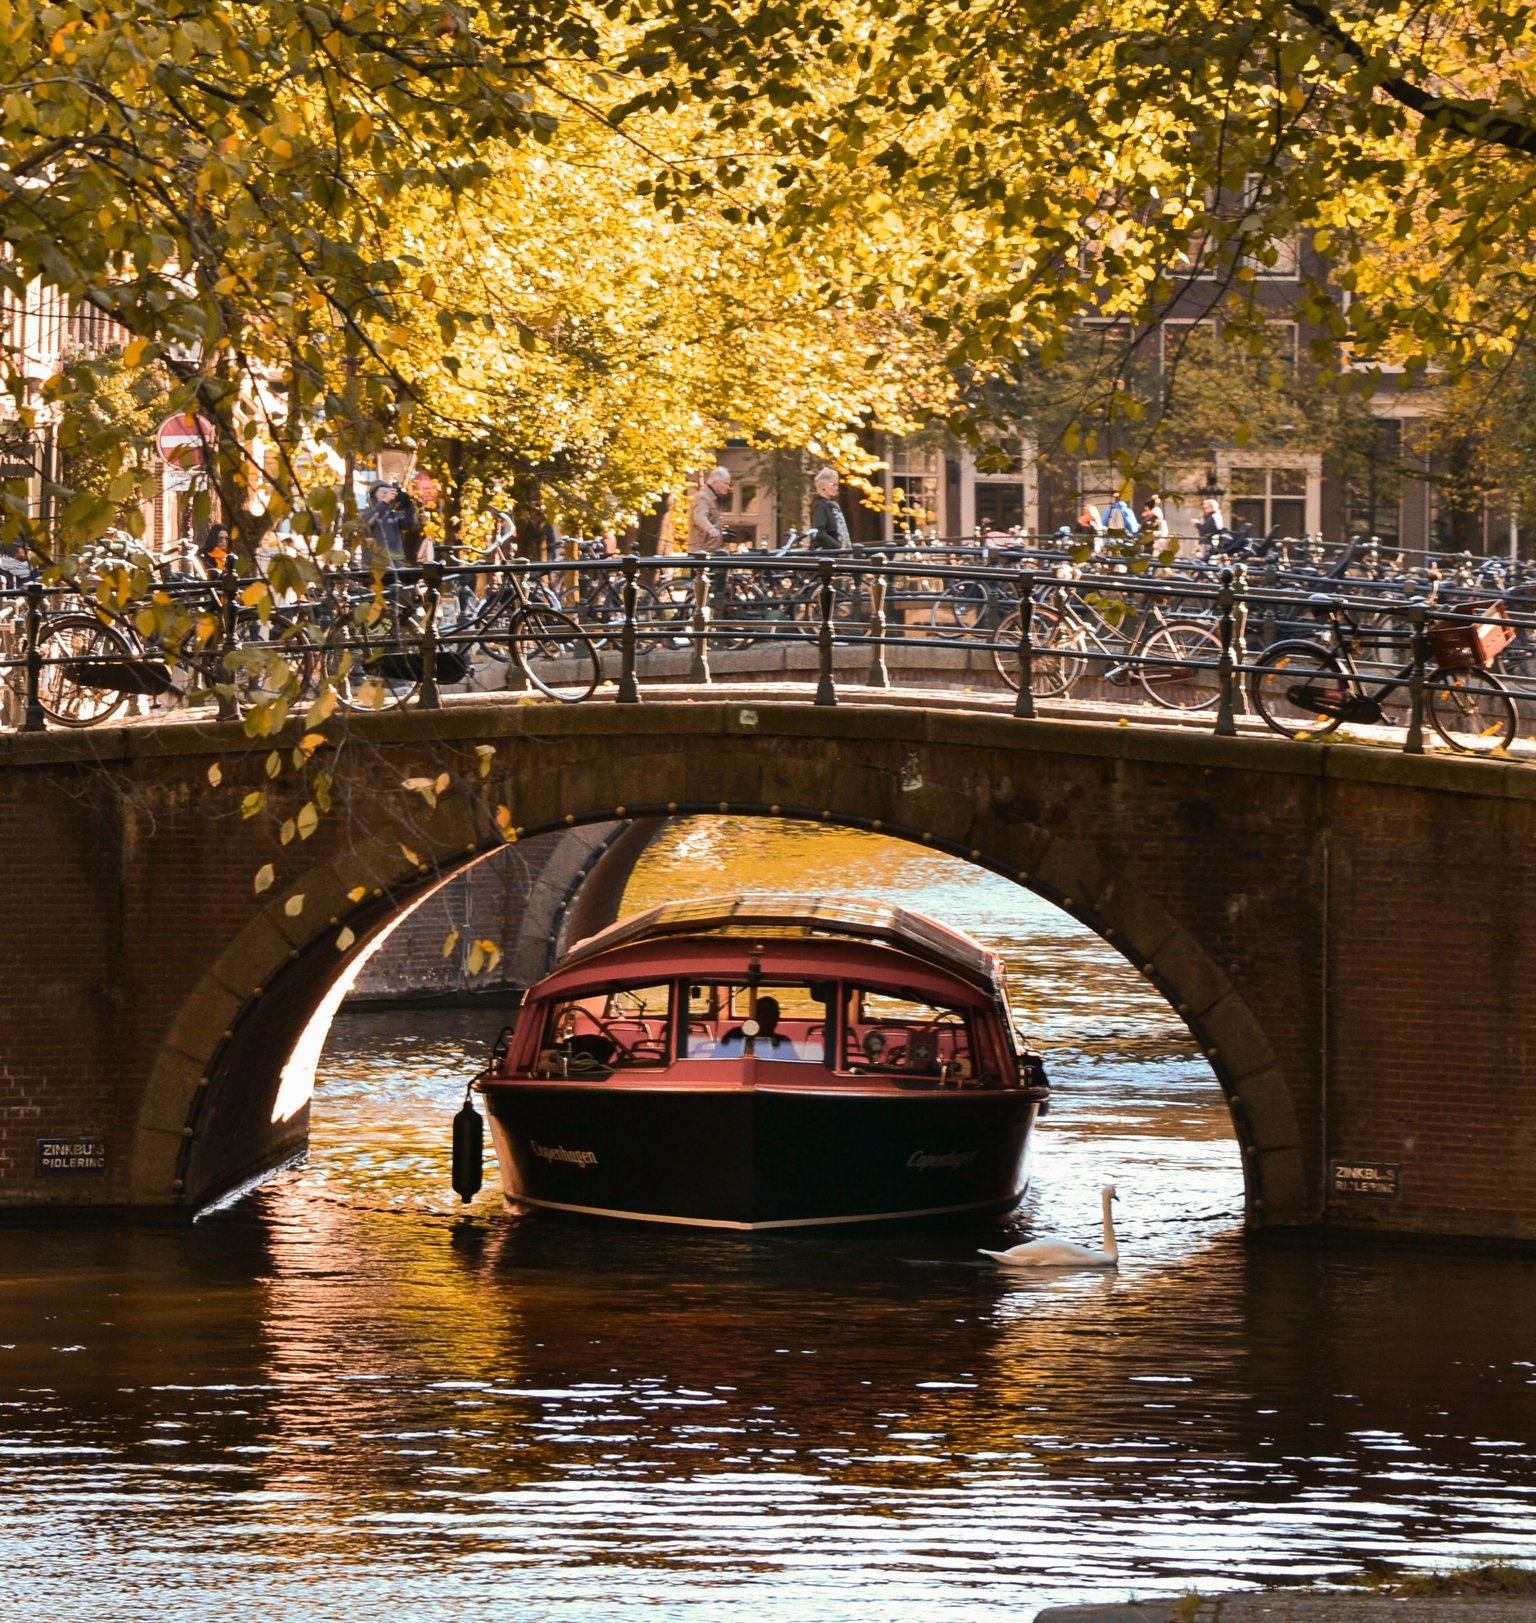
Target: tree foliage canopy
{"points": [[583, 236]]}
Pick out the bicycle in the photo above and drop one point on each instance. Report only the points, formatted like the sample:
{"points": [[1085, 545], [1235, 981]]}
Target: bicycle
{"points": [[516, 619], [1162, 651], [1306, 689]]}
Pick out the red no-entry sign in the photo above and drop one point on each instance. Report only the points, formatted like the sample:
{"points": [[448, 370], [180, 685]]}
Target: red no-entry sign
{"points": [[183, 440]]}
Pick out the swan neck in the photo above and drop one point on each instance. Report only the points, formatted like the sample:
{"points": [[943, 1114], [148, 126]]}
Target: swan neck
{"points": [[1110, 1248]]}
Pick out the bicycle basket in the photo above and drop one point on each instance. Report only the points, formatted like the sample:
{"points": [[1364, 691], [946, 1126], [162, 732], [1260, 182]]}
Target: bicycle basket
{"points": [[1460, 645]]}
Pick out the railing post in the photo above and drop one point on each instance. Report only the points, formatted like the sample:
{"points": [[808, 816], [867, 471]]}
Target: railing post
{"points": [[1413, 743], [1226, 715], [826, 692], [515, 681], [229, 602], [991, 609], [33, 719], [879, 673], [432, 594], [1240, 640], [1024, 704], [698, 666], [629, 688]]}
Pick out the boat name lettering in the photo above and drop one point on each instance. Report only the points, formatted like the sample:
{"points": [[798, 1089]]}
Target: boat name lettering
{"points": [[558, 1152], [923, 1161]]}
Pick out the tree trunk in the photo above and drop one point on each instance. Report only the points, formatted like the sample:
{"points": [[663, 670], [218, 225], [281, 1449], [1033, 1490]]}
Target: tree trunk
{"points": [[453, 496], [530, 518], [653, 526]]}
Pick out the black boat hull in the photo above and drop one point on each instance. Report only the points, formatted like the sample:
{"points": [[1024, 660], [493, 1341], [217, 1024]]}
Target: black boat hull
{"points": [[760, 1158]]}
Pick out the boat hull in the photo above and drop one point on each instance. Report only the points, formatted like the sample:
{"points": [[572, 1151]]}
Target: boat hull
{"points": [[759, 1158]]}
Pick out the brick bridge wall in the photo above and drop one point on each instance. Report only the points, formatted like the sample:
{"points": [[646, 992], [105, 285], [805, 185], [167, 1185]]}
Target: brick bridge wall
{"points": [[1346, 932]]}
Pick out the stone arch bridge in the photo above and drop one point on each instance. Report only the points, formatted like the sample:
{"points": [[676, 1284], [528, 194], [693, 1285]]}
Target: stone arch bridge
{"points": [[1347, 933]]}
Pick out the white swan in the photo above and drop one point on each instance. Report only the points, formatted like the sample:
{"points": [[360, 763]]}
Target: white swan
{"points": [[1062, 1253]]}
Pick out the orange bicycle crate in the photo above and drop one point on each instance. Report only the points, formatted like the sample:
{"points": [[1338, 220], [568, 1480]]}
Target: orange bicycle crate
{"points": [[1459, 645]]}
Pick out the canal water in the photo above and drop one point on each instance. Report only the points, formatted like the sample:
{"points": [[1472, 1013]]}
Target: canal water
{"points": [[341, 1398]]}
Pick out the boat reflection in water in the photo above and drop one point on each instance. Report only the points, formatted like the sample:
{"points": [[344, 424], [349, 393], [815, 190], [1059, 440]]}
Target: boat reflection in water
{"points": [[765, 1062]]}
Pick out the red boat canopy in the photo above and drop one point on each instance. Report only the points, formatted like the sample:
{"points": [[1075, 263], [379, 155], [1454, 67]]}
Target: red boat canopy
{"points": [[781, 915]]}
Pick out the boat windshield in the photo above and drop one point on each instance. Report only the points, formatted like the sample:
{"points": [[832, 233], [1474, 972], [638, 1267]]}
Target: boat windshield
{"points": [[791, 1021], [625, 1029], [900, 1032]]}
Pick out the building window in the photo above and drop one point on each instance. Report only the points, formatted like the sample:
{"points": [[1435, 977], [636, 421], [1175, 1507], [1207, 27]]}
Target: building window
{"points": [[1373, 490], [913, 486], [999, 490], [1269, 498]]}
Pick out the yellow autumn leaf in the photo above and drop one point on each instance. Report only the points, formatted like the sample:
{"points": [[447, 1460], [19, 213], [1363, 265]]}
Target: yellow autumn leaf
{"points": [[308, 819], [294, 906], [357, 893], [441, 785], [215, 774], [322, 708], [253, 803], [274, 764], [134, 354], [264, 877], [450, 943], [487, 754], [410, 856], [344, 938]]}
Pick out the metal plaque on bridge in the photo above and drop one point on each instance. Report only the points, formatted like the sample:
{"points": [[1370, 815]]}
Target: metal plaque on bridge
{"points": [[71, 1155], [1364, 1178]]}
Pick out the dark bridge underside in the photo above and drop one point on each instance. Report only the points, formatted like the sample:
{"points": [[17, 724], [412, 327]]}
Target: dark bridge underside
{"points": [[1343, 930]]}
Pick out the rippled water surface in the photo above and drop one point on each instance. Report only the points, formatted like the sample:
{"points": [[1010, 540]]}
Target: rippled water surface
{"points": [[341, 1398]]}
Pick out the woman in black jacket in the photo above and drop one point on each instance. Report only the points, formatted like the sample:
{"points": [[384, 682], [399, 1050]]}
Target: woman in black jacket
{"points": [[829, 527]]}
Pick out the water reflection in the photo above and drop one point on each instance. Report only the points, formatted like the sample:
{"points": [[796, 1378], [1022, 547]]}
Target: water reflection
{"points": [[340, 1397]]}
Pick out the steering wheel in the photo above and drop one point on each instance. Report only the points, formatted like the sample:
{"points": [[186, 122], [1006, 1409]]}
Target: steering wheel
{"points": [[565, 1029]]}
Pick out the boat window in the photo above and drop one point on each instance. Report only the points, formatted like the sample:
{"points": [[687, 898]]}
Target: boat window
{"points": [[902, 1032], [794, 1015], [619, 1030]]}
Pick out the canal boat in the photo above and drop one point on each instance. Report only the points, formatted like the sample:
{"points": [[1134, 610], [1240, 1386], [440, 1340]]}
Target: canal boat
{"points": [[767, 1062]]}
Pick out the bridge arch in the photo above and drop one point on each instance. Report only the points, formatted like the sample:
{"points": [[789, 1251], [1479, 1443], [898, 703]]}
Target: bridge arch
{"points": [[1349, 930], [214, 1117]]}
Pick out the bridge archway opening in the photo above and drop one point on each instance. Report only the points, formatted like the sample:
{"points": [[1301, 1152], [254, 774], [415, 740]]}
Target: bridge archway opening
{"points": [[233, 1134], [1136, 1103]]}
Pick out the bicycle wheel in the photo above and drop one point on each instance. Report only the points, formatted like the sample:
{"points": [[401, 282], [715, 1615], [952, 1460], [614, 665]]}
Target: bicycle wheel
{"points": [[602, 616], [370, 667], [1292, 684], [960, 610], [1178, 667], [275, 660], [72, 648], [1471, 710], [1056, 659], [556, 655]]}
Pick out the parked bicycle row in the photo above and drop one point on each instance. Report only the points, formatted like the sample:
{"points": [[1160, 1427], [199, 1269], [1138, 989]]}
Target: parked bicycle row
{"points": [[1304, 662]]}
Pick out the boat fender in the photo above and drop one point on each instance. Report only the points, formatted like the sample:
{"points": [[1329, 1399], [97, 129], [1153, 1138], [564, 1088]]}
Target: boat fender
{"points": [[468, 1152]]}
